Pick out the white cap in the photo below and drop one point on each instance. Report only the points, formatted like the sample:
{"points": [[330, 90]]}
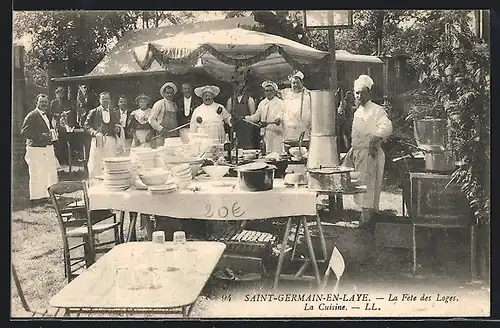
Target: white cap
{"points": [[363, 81]]}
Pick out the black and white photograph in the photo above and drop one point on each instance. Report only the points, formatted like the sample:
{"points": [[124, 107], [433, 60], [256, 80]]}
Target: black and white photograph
{"points": [[250, 164]]}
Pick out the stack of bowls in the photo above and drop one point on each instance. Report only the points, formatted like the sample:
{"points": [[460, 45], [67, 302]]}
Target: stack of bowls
{"points": [[182, 175], [143, 157], [117, 173]]}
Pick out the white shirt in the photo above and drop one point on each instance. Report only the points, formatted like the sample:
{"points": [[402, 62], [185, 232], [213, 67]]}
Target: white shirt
{"points": [[269, 111], [297, 115], [106, 118], [123, 118], [369, 120], [187, 105], [45, 118], [212, 122]]}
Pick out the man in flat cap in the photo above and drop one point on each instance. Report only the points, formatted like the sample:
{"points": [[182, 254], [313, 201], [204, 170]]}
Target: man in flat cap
{"points": [[164, 114], [370, 127]]}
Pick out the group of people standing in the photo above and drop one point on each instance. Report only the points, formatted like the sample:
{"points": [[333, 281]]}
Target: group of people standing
{"points": [[281, 115]]}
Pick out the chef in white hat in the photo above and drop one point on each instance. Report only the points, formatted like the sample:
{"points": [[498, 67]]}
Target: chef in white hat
{"points": [[209, 117], [370, 127], [269, 114], [297, 115], [164, 114]]}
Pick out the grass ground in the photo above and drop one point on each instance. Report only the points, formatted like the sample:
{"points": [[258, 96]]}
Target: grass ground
{"points": [[37, 254]]}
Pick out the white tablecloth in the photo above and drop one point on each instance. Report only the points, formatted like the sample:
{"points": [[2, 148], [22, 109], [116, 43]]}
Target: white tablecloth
{"points": [[210, 202]]}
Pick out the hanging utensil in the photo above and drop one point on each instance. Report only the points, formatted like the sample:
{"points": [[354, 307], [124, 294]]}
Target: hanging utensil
{"points": [[154, 138], [255, 124]]}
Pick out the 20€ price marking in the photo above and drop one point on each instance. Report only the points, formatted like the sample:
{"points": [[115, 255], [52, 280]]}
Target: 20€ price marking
{"points": [[224, 211]]}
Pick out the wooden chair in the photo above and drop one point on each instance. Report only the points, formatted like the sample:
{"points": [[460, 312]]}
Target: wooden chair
{"points": [[28, 313], [71, 202], [337, 265]]}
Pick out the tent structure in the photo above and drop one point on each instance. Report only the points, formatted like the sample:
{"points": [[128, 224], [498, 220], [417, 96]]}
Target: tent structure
{"points": [[220, 48], [226, 53]]}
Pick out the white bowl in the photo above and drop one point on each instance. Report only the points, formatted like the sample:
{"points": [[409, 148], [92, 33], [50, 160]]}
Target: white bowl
{"points": [[153, 177], [294, 151], [216, 171], [354, 175]]}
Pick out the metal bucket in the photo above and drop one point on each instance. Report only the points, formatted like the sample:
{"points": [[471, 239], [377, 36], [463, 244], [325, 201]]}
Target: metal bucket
{"points": [[430, 131]]}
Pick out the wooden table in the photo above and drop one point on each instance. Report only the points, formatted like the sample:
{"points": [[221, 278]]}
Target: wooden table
{"points": [[143, 277], [212, 202]]}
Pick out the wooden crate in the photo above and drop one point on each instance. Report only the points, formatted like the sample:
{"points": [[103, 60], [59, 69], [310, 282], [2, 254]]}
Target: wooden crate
{"points": [[435, 201]]}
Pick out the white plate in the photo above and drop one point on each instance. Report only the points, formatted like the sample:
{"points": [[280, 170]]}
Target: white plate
{"points": [[116, 160]]}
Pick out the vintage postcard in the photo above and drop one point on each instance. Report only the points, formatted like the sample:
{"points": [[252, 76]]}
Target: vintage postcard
{"points": [[239, 164]]}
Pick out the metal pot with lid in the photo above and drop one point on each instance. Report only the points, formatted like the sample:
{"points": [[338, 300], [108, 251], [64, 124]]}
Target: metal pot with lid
{"points": [[330, 179], [256, 176]]}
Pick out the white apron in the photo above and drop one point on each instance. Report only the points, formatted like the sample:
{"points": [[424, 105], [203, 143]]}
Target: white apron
{"points": [[370, 120], [212, 122], [42, 165], [97, 154], [184, 134], [297, 114], [269, 111]]}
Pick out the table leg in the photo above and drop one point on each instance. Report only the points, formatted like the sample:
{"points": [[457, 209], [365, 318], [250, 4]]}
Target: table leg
{"points": [[295, 239], [132, 234], [414, 247], [281, 258], [321, 237], [122, 219], [310, 247], [150, 227]]}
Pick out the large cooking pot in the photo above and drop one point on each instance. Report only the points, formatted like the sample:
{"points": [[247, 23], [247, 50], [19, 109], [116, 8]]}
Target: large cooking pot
{"points": [[256, 177], [281, 166], [330, 179]]}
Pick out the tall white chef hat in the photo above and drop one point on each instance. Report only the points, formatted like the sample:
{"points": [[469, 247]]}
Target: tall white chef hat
{"points": [[298, 74], [363, 81]]}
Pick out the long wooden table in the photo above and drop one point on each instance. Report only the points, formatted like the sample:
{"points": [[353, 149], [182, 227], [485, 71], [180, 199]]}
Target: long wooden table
{"points": [[143, 277]]}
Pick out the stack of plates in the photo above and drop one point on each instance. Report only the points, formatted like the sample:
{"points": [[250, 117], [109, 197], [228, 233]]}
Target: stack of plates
{"points": [[163, 189], [182, 175], [143, 157], [117, 173]]}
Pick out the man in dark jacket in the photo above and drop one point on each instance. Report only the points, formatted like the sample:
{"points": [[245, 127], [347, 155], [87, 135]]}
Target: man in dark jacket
{"points": [[103, 124], [40, 157]]}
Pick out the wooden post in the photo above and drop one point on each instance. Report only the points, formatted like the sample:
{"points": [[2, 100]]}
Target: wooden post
{"points": [[19, 108], [19, 96]]}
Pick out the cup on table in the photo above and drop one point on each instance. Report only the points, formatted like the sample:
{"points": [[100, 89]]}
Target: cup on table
{"points": [[179, 237], [158, 237]]}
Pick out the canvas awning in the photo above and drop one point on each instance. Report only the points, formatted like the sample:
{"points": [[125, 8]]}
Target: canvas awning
{"points": [[219, 48]]}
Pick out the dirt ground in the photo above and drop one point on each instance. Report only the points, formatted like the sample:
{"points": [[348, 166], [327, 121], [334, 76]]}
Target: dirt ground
{"points": [[37, 254]]}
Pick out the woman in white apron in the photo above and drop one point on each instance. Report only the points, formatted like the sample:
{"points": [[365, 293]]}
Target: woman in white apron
{"points": [[370, 127], [270, 115], [209, 117], [141, 130], [297, 115]]}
